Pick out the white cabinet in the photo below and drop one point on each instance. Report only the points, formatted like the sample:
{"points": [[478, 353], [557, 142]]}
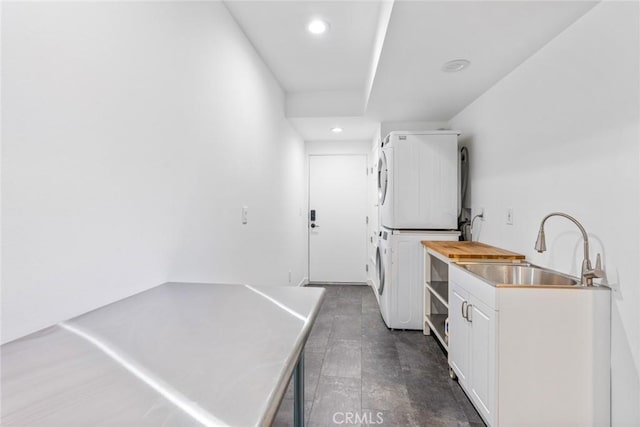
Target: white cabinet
{"points": [[472, 324], [531, 356], [482, 361], [459, 341]]}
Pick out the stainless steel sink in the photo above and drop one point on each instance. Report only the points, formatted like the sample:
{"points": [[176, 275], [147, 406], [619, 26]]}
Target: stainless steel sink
{"points": [[521, 275]]}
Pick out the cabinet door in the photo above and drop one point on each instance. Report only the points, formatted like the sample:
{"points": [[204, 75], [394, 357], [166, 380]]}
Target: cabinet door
{"points": [[458, 333], [482, 357]]}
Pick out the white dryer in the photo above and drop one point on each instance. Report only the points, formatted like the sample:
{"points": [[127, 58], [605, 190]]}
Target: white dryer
{"points": [[418, 180], [400, 264]]}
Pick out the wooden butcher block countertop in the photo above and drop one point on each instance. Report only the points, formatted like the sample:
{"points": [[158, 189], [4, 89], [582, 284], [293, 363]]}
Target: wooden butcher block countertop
{"points": [[470, 251]]}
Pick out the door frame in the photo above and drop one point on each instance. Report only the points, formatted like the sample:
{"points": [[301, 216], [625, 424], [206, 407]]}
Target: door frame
{"points": [[308, 159]]}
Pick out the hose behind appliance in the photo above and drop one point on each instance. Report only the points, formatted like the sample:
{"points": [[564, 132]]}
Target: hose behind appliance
{"points": [[463, 223]]}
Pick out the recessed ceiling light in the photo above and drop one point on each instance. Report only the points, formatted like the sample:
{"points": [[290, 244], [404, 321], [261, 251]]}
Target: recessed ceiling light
{"points": [[336, 129], [317, 26], [455, 65]]}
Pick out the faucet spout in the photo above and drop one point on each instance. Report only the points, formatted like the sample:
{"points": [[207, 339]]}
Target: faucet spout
{"points": [[588, 274]]}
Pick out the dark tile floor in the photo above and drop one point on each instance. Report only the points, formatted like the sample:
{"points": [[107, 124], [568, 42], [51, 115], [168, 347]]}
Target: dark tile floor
{"points": [[358, 372]]}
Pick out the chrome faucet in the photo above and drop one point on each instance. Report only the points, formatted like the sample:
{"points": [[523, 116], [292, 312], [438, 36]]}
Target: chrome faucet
{"points": [[588, 273]]}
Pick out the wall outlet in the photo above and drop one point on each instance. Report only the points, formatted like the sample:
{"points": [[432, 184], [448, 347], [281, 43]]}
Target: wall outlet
{"points": [[289, 276], [482, 214], [509, 218], [245, 214]]}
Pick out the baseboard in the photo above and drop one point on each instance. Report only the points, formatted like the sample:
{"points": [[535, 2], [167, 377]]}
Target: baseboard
{"points": [[303, 282], [370, 282]]}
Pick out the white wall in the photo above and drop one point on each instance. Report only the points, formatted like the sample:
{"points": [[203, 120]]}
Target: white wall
{"points": [[561, 133], [133, 133], [343, 103]]}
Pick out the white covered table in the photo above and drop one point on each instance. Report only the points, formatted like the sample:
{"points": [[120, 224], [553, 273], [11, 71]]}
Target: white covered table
{"points": [[178, 354]]}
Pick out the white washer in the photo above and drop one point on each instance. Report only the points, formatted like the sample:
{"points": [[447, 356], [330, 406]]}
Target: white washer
{"points": [[400, 263], [418, 180]]}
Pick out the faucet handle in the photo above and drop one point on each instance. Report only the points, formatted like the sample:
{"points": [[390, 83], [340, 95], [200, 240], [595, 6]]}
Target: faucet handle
{"points": [[598, 272]]}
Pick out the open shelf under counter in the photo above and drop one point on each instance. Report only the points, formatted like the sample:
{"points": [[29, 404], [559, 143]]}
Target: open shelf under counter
{"points": [[439, 289], [436, 297], [436, 322]]}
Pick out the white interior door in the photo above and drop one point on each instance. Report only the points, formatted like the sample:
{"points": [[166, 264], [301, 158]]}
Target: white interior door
{"points": [[338, 235]]}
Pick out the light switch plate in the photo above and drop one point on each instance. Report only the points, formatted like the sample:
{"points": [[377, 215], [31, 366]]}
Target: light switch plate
{"points": [[245, 213]]}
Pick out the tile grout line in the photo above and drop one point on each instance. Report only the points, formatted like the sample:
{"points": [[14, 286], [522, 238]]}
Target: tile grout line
{"points": [[361, 358], [324, 358]]}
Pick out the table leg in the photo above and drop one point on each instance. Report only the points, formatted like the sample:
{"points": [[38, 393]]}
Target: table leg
{"points": [[298, 393]]}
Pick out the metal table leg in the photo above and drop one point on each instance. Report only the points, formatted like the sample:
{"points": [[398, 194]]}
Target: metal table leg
{"points": [[298, 393]]}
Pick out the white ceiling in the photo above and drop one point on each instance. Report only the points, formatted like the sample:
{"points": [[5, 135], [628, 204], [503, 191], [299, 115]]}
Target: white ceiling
{"points": [[418, 37], [358, 128], [303, 62], [496, 36]]}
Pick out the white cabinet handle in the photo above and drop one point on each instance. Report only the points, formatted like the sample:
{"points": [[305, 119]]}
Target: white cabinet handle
{"points": [[462, 309], [467, 313]]}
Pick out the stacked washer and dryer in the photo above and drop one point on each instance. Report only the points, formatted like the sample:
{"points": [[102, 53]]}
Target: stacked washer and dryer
{"points": [[417, 200]]}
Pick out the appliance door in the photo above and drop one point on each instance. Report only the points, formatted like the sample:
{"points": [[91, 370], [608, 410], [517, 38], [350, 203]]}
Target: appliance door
{"points": [[383, 178], [386, 186], [380, 269]]}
